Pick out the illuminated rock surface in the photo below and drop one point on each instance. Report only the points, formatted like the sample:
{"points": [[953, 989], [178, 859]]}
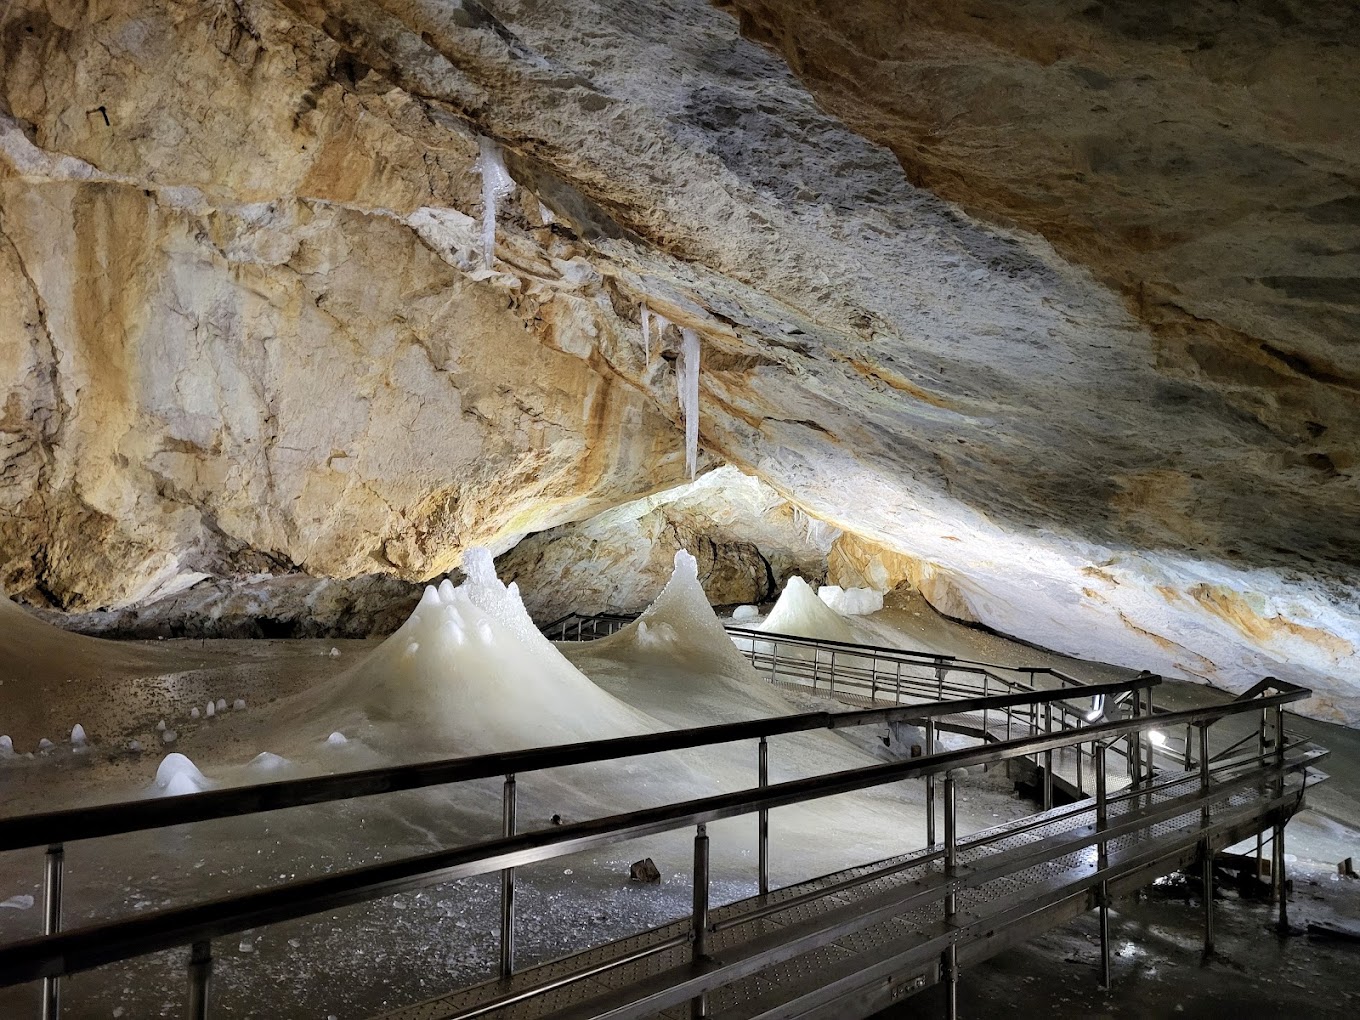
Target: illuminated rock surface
{"points": [[246, 327]]}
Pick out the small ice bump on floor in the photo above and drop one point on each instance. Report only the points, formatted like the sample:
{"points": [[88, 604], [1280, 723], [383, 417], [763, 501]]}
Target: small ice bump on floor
{"points": [[336, 739]]}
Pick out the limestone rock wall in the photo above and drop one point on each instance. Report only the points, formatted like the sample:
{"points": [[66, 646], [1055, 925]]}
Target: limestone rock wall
{"points": [[747, 540], [246, 328]]}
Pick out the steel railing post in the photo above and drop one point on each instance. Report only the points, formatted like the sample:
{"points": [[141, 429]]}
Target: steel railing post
{"points": [[54, 866], [984, 707], [1048, 758], [699, 923], [200, 980], [774, 659], [831, 674], [1261, 760], [1204, 771], [897, 695], [1148, 746], [1135, 749], [930, 785], [1280, 882], [507, 967], [951, 864], [939, 676], [763, 819]]}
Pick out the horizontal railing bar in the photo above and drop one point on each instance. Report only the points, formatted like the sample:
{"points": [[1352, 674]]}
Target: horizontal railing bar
{"points": [[68, 825], [952, 661], [96, 945]]}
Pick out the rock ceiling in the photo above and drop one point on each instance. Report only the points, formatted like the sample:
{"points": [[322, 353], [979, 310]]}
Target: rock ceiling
{"points": [[1058, 300]]}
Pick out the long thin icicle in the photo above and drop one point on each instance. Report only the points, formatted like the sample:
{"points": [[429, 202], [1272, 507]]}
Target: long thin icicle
{"points": [[496, 184], [687, 385], [646, 334]]}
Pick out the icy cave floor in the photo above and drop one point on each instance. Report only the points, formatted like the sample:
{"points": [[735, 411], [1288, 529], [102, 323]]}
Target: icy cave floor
{"points": [[390, 952]]}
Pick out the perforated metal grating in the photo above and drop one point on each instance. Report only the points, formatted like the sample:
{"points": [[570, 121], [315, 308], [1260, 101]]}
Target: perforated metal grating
{"points": [[1063, 869]]}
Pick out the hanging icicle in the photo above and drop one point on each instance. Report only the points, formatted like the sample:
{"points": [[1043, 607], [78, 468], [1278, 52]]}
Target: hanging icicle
{"points": [[496, 184], [646, 335], [687, 385]]}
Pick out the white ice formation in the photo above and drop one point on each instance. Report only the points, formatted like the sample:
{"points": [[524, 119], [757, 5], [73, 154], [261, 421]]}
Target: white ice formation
{"points": [[800, 612], [471, 671], [496, 184], [267, 761], [176, 775], [681, 627], [45, 745], [851, 601], [337, 739], [652, 323], [744, 613], [6, 747], [211, 710], [238, 704], [687, 386], [78, 738]]}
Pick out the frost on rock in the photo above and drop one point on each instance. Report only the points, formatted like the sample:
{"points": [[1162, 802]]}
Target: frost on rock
{"points": [[176, 775], [687, 386], [496, 184], [469, 670], [801, 613], [851, 601]]}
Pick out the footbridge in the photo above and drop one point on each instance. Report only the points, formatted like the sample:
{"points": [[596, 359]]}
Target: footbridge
{"points": [[847, 944]]}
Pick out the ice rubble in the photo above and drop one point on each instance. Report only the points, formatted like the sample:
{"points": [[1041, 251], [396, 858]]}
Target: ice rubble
{"points": [[800, 612], [687, 385], [851, 601], [470, 671], [496, 184]]}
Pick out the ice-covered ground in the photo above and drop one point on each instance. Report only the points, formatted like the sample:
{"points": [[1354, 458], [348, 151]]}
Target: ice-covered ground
{"points": [[467, 674]]}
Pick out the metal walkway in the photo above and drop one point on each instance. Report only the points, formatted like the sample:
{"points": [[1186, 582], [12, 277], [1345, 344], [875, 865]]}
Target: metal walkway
{"points": [[851, 943], [842, 946]]}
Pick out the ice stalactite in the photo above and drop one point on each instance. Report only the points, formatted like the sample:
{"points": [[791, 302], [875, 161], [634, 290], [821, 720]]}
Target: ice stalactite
{"points": [[496, 184], [653, 324], [687, 386]]}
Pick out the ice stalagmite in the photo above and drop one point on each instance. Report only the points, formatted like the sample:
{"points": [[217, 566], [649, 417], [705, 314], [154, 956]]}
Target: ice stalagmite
{"points": [[687, 384], [496, 184]]}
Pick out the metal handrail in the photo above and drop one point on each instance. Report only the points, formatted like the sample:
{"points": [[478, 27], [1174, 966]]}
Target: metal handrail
{"points": [[45, 828], [51, 956]]}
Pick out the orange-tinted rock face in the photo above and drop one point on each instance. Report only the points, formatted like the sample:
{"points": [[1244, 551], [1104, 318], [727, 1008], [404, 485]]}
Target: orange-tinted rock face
{"points": [[246, 326]]}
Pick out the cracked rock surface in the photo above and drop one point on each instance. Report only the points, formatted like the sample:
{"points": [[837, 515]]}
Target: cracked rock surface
{"points": [[1104, 403]]}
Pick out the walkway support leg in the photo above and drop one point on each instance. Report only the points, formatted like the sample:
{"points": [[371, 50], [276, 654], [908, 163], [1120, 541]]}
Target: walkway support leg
{"points": [[508, 884], [1280, 877], [699, 924], [200, 979], [54, 865], [1207, 879], [1102, 862]]}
